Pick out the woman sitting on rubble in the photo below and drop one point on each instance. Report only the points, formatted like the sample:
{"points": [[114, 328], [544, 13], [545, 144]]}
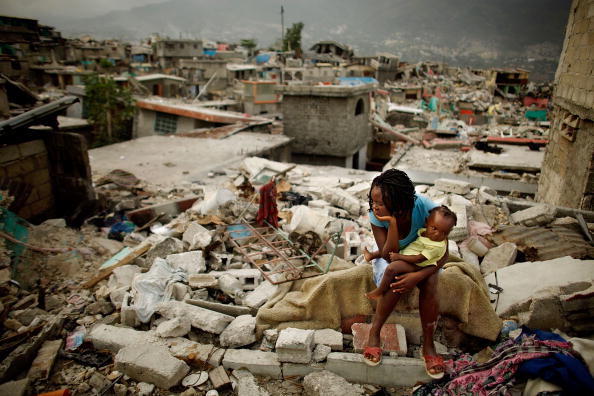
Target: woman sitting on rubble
{"points": [[393, 195]]}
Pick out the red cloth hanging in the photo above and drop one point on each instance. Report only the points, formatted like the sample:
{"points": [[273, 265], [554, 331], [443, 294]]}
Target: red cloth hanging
{"points": [[268, 210]]}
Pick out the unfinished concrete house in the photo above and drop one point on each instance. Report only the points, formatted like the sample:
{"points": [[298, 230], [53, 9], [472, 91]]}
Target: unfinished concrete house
{"points": [[168, 53], [329, 124], [567, 177]]}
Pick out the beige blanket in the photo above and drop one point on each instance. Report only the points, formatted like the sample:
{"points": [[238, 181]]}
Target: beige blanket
{"points": [[322, 301]]}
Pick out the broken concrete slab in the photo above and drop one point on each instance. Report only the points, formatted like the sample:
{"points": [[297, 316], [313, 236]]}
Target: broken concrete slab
{"points": [[522, 280], [151, 363], [240, 332], [517, 158], [545, 311], [114, 338], [219, 378], [295, 345], [257, 362], [123, 276], [164, 248], [195, 353], [200, 281], [191, 262], [197, 236], [499, 257], [291, 370], [320, 353], [453, 186], [176, 327], [535, 216], [329, 337], [203, 319], [43, 363], [260, 295], [327, 383], [15, 388], [351, 366], [460, 230], [227, 309], [247, 385]]}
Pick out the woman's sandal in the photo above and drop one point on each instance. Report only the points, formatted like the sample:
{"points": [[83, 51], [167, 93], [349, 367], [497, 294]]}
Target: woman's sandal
{"points": [[434, 361], [375, 353]]}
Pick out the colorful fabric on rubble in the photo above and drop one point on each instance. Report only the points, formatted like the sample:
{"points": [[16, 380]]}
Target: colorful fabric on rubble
{"points": [[268, 210], [500, 373], [564, 370]]}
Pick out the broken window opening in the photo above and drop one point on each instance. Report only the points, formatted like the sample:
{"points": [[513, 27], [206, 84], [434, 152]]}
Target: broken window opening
{"points": [[359, 107], [165, 123]]}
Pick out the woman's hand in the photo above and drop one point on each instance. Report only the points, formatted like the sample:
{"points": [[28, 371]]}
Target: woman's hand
{"points": [[388, 218], [405, 282]]}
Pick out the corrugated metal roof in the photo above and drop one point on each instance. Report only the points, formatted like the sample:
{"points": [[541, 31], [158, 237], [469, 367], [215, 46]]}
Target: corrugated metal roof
{"points": [[546, 243], [35, 115]]}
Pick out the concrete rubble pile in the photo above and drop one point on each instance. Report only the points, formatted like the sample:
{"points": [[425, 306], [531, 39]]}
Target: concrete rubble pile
{"points": [[171, 309]]}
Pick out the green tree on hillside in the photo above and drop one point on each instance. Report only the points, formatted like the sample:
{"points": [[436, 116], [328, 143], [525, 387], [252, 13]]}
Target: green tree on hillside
{"points": [[110, 109]]}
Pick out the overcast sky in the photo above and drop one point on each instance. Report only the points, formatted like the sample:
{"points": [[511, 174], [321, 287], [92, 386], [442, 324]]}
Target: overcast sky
{"points": [[40, 9]]}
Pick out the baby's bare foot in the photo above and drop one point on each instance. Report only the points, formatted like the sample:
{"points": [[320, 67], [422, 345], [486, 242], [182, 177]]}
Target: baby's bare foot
{"points": [[374, 294]]}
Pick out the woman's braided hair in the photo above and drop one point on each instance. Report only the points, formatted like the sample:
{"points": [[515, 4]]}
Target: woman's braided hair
{"points": [[398, 191]]}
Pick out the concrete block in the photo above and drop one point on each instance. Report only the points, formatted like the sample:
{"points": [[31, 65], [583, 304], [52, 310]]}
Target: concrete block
{"points": [[326, 383], [342, 199], [42, 365], [227, 309], [203, 319], [164, 248], [351, 366], [191, 262], [460, 230], [115, 338], [219, 378], [180, 291], [196, 236], [151, 363], [128, 315], [176, 327], [453, 186], [257, 362], [545, 313], [455, 199], [468, 255], [116, 296], [352, 242], [295, 345], [477, 247], [249, 278], [195, 353], [499, 257], [329, 337], [392, 338], [579, 301], [260, 295], [537, 215], [240, 332], [14, 388], [301, 370], [321, 352], [200, 281], [247, 385], [123, 276]]}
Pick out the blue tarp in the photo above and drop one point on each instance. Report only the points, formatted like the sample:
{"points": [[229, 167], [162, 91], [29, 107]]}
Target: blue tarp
{"points": [[356, 80], [262, 58]]}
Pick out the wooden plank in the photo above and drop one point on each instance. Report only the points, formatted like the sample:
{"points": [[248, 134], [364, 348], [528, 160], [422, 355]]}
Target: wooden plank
{"points": [[141, 249]]}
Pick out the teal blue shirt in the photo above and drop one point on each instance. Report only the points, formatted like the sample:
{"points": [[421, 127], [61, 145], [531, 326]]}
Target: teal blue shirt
{"points": [[420, 213]]}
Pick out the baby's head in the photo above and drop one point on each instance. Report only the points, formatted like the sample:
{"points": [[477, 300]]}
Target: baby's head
{"points": [[392, 193], [440, 222]]}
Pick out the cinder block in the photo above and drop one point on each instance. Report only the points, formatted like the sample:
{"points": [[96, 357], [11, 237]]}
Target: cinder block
{"points": [[351, 366], [249, 277], [352, 242], [392, 338], [499, 257], [128, 315], [257, 362], [295, 345], [534, 216], [329, 337], [151, 363], [453, 186]]}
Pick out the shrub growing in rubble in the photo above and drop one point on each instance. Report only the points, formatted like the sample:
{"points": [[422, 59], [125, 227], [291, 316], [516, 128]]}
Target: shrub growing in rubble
{"points": [[110, 109]]}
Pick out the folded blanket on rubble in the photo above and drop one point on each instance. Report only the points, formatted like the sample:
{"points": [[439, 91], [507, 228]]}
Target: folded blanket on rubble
{"points": [[322, 301]]}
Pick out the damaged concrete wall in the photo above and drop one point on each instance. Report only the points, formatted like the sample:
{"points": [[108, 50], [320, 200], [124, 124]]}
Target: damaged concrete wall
{"points": [[326, 120], [25, 169], [567, 177]]}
